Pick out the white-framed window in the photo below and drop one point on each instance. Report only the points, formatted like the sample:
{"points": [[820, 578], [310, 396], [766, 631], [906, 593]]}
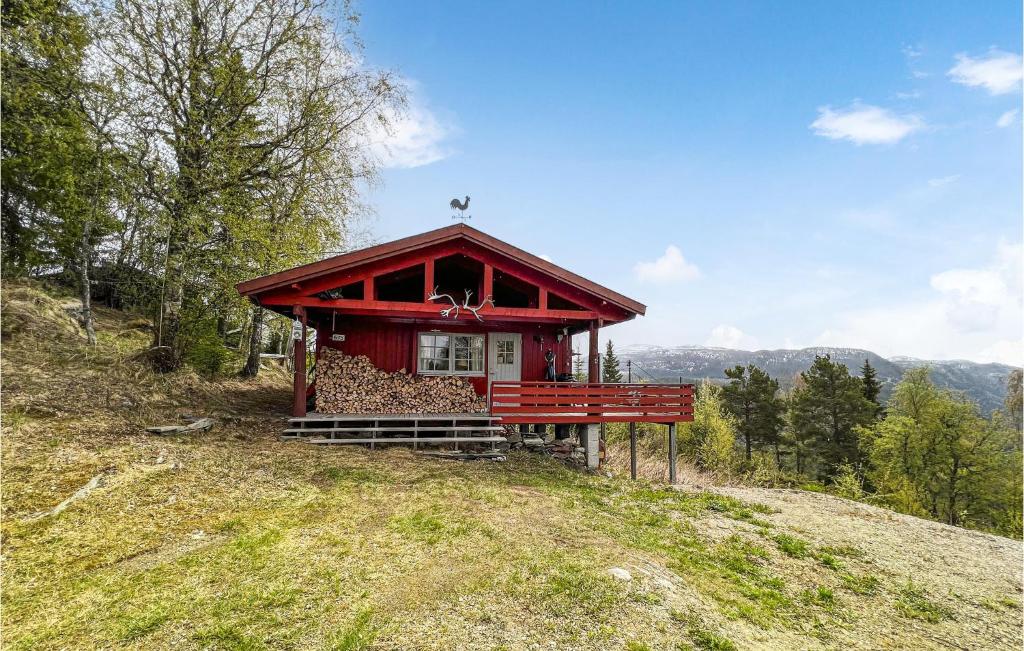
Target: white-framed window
{"points": [[506, 351], [443, 353]]}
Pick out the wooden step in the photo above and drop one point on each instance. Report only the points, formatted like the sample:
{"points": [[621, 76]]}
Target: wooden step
{"points": [[312, 418], [450, 428], [411, 439]]}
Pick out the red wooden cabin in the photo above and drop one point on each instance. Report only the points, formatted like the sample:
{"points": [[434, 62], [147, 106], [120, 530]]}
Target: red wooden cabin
{"points": [[378, 302]]}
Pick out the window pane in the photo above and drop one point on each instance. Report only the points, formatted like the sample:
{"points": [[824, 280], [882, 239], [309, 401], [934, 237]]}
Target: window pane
{"points": [[476, 353], [434, 353], [439, 353]]}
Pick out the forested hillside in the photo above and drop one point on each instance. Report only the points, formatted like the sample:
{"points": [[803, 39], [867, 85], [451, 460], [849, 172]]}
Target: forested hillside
{"points": [[984, 383], [922, 449]]}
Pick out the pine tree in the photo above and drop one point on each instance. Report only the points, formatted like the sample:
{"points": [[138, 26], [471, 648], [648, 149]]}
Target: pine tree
{"points": [[46, 144], [825, 411], [611, 373], [579, 370], [57, 165], [751, 398], [872, 387]]}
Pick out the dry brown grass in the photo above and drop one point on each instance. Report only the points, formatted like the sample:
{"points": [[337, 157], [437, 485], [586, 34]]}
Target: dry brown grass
{"points": [[232, 539]]}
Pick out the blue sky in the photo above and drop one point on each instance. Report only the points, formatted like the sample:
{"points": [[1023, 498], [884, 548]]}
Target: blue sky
{"points": [[761, 175]]}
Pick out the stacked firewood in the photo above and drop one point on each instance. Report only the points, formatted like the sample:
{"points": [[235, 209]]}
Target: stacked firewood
{"points": [[353, 385]]}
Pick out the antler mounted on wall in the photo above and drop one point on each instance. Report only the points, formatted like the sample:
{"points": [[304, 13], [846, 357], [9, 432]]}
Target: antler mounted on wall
{"points": [[446, 312], [476, 309]]}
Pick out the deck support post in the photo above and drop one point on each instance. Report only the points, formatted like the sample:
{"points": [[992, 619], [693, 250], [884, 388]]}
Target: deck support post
{"points": [[591, 445], [671, 453], [299, 349], [632, 450]]}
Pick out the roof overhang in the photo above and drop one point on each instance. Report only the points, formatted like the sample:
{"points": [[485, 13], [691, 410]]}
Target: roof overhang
{"points": [[376, 254]]}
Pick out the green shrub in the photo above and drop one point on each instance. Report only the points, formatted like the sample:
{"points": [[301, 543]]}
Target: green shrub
{"points": [[847, 483], [204, 349]]}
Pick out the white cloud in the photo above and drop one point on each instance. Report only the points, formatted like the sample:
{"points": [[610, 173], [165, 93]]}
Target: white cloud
{"points": [[865, 124], [546, 257], [972, 313], [727, 336], [998, 73], [672, 266], [912, 52], [943, 180], [414, 137], [1006, 119]]}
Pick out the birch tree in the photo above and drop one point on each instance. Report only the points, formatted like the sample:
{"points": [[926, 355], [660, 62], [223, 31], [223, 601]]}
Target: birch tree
{"points": [[234, 100], [935, 455]]}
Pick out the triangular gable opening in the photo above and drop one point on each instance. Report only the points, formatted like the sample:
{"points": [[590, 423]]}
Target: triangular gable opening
{"points": [[510, 291], [556, 302], [458, 273], [400, 286], [351, 291]]}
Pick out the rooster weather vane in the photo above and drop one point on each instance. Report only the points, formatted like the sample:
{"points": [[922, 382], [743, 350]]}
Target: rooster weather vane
{"points": [[462, 207], [455, 308]]}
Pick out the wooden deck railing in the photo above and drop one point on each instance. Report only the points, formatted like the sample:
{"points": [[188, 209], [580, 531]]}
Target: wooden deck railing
{"points": [[572, 402]]}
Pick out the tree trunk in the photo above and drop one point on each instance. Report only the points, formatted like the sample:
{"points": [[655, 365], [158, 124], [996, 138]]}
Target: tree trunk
{"points": [[288, 347], [13, 234], [84, 288], [954, 518], [252, 362], [168, 345], [747, 425]]}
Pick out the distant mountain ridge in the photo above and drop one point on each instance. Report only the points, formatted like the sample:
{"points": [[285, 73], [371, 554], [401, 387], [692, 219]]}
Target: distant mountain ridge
{"points": [[984, 383]]}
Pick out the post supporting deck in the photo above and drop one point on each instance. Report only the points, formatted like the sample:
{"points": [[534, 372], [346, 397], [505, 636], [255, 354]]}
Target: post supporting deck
{"points": [[672, 453], [299, 349], [591, 445], [632, 450]]}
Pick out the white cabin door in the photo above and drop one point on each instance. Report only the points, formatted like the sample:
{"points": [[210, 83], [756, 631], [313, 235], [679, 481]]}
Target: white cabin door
{"points": [[505, 356]]}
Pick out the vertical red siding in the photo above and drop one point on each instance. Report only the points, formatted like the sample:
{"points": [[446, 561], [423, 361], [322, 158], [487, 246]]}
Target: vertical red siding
{"points": [[391, 346]]}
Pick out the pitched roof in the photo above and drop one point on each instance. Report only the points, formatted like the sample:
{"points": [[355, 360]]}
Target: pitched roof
{"points": [[406, 244]]}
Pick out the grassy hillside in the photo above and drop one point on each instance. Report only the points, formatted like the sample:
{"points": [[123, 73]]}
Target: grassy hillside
{"points": [[234, 540]]}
